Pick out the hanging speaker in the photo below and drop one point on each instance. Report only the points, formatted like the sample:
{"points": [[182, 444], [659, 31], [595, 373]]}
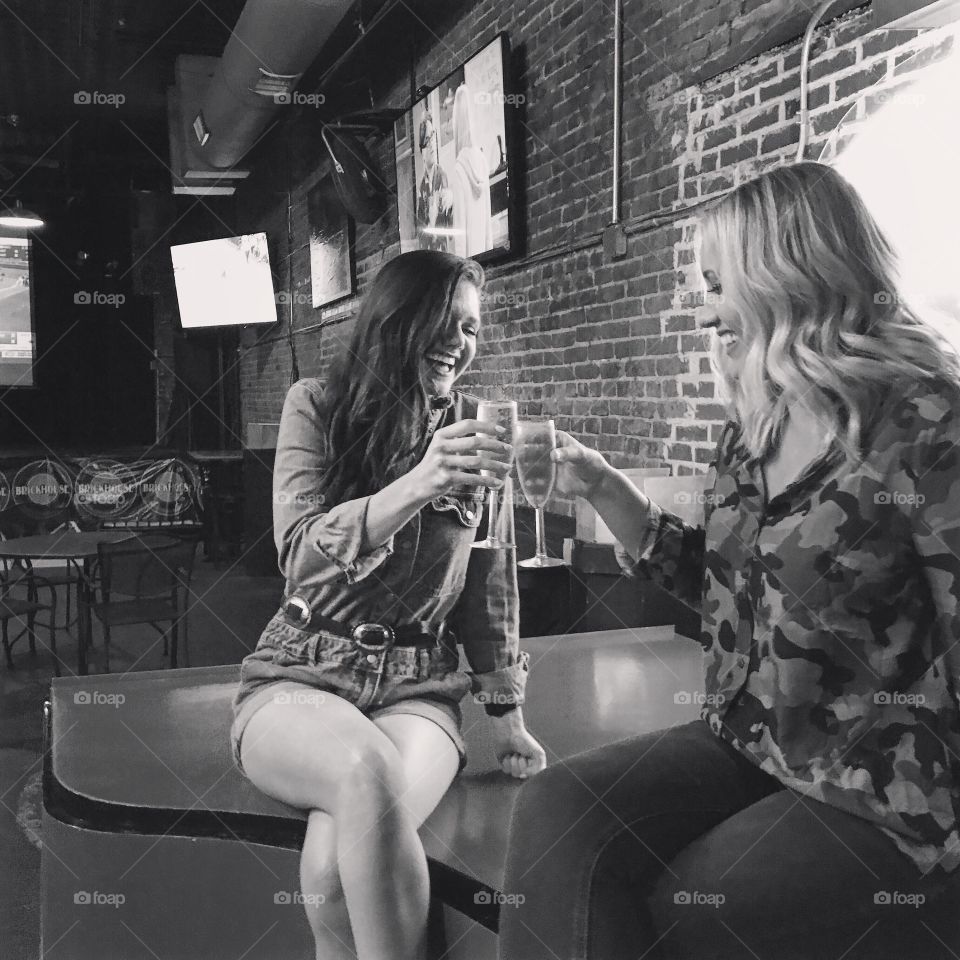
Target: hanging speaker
{"points": [[359, 185]]}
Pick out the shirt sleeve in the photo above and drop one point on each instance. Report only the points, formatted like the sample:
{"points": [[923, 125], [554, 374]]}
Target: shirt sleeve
{"points": [[315, 539], [671, 553], [486, 621], [935, 517]]}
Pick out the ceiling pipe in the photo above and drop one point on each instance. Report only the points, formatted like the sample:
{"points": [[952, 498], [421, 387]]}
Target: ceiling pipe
{"points": [[271, 46]]}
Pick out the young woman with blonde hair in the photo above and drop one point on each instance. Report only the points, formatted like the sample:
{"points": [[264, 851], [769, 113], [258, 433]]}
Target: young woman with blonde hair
{"points": [[813, 809]]}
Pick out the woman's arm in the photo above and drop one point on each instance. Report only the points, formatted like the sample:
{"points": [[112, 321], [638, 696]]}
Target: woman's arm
{"points": [[933, 502], [352, 538], [653, 543], [486, 621]]}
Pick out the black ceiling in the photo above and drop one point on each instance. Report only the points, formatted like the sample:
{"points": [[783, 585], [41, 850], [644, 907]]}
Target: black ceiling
{"points": [[58, 57]]}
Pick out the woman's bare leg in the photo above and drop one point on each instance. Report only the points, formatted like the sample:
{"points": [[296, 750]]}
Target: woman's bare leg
{"points": [[377, 782]]}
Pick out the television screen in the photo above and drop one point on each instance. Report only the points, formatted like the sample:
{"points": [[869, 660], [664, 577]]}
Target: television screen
{"points": [[224, 283], [17, 342], [452, 156]]}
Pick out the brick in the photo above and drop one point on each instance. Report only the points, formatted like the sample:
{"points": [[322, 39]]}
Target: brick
{"points": [[780, 138], [746, 150], [679, 324], [833, 63], [850, 85], [765, 118], [827, 121], [718, 136], [692, 433], [883, 41]]}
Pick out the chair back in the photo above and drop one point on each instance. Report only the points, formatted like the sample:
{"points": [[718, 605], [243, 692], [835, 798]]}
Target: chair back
{"points": [[146, 567]]}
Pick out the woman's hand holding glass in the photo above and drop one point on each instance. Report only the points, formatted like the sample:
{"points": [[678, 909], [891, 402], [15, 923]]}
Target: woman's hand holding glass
{"points": [[456, 455], [580, 470]]}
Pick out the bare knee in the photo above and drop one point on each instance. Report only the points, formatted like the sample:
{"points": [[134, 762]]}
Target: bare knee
{"points": [[372, 777]]}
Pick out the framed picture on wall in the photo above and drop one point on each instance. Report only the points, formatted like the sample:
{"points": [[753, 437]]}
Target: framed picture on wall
{"points": [[453, 152], [331, 247]]}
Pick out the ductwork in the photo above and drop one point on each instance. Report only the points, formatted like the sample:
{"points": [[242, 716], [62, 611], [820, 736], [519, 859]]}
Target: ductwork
{"points": [[272, 45]]}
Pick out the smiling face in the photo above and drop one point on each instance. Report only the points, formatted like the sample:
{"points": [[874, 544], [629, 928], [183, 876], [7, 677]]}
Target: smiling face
{"points": [[716, 313], [445, 361]]}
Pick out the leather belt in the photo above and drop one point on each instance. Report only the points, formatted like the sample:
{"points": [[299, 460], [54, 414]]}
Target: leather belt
{"points": [[367, 636]]}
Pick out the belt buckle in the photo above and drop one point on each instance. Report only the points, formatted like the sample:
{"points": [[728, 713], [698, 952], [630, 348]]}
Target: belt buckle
{"points": [[301, 610], [363, 631]]}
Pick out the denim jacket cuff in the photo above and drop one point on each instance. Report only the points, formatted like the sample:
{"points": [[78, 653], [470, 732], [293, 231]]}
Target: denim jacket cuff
{"points": [[341, 537], [502, 687], [628, 565]]}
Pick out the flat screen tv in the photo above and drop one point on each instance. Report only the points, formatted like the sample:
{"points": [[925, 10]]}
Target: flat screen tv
{"points": [[18, 345], [224, 283], [453, 151]]}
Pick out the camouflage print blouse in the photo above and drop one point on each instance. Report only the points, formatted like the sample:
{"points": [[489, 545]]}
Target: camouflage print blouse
{"points": [[831, 620]]}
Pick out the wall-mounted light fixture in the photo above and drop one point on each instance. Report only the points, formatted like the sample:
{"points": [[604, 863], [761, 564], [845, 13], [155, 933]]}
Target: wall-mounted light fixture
{"points": [[19, 217]]}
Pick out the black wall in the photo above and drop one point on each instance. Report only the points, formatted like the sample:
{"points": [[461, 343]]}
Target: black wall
{"points": [[95, 385]]}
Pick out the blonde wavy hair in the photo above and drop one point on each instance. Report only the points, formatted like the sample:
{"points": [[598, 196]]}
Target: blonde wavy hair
{"points": [[815, 284]]}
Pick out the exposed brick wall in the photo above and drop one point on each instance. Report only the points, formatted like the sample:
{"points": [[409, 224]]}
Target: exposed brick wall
{"points": [[608, 349]]}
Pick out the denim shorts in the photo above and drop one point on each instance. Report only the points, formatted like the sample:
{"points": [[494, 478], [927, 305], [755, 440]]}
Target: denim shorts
{"points": [[424, 682]]}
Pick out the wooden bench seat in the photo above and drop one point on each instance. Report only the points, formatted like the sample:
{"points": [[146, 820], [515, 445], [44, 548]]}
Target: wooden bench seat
{"points": [[142, 802]]}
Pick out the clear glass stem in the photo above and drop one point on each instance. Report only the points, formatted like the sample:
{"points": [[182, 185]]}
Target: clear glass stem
{"points": [[541, 537], [493, 515]]}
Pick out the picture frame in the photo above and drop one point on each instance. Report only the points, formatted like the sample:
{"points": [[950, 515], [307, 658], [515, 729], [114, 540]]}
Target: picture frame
{"points": [[332, 268], [455, 156]]}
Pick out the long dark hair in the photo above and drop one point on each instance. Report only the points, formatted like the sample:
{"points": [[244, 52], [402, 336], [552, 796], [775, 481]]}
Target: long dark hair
{"points": [[374, 404]]}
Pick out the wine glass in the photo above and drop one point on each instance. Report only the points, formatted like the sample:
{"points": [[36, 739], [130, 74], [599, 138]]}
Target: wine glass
{"points": [[502, 413], [535, 441]]}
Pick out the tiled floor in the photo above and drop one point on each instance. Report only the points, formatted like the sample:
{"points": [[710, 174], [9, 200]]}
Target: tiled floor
{"points": [[228, 613]]}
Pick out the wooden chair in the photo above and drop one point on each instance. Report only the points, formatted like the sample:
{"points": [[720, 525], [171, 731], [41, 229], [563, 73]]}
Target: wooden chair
{"points": [[145, 579]]}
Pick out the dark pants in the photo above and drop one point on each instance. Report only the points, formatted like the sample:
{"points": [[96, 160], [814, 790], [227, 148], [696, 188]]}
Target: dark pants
{"points": [[674, 845]]}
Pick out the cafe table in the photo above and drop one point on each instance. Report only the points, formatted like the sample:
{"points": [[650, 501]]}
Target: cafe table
{"points": [[79, 550]]}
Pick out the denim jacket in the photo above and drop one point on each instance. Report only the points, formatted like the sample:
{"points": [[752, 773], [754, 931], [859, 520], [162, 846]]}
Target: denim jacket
{"points": [[426, 571]]}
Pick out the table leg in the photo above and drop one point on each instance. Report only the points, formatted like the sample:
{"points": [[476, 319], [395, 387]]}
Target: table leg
{"points": [[85, 624]]}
